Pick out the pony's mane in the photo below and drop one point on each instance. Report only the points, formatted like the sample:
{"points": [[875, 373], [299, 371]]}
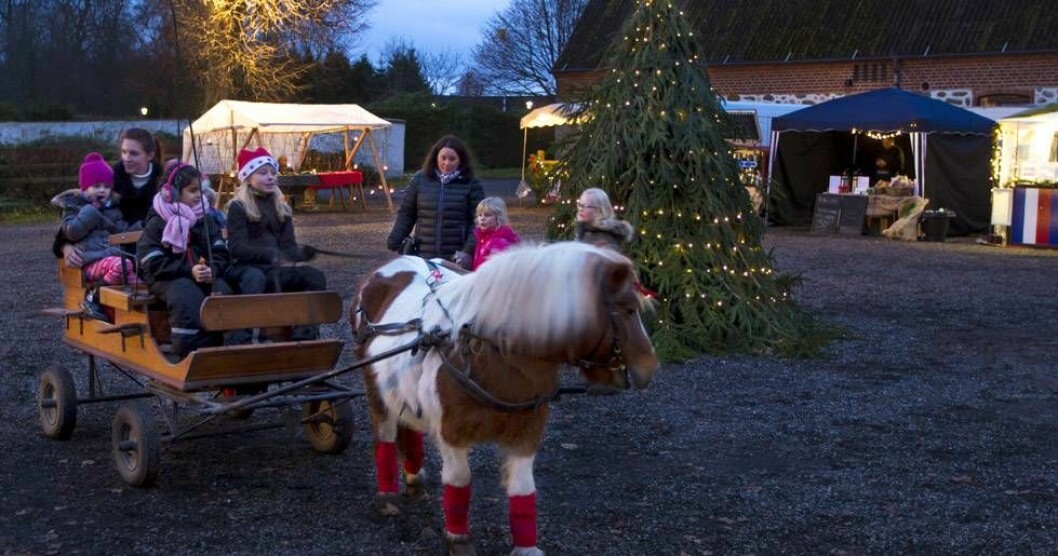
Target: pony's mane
{"points": [[531, 298]]}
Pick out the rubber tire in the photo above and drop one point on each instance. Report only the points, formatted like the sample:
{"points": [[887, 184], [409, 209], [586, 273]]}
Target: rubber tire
{"points": [[332, 435], [57, 422], [138, 466]]}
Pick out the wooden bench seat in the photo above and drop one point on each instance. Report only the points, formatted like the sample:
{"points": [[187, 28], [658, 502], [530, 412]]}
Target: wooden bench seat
{"points": [[231, 312], [125, 298]]}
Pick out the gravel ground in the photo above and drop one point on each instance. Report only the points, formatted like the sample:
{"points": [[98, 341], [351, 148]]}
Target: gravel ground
{"points": [[930, 428]]}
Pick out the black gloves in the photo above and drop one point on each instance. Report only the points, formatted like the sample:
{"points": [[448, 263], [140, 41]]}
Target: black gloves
{"points": [[308, 252]]}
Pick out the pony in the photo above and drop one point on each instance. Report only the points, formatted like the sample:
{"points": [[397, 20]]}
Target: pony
{"points": [[491, 345]]}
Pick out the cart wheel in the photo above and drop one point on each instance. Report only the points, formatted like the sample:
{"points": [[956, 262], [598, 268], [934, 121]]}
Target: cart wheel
{"points": [[328, 426], [136, 446], [57, 402]]}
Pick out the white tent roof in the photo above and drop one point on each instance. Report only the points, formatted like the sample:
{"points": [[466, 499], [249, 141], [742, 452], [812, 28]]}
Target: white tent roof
{"points": [[547, 116], [559, 114], [274, 117], [283, 129]]}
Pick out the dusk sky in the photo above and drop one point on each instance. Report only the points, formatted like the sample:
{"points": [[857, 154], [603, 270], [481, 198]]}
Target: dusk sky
{"points": [[429, 25]]}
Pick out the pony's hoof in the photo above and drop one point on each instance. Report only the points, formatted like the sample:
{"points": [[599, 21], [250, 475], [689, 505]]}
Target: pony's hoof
{"points": [[415, 488], [386, 505], [462, 545], [530, 551]]}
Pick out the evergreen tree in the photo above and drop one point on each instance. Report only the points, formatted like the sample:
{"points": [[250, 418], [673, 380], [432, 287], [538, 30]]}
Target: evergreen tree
{"points": [[653, 140]]}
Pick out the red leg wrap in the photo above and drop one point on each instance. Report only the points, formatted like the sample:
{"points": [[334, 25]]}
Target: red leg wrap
{"points": [[411, 445], [456, 503], [386, 467], [523, 520]]}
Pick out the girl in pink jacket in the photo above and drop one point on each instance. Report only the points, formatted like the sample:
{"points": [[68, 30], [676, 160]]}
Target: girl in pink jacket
{"points": [[492, 233]]}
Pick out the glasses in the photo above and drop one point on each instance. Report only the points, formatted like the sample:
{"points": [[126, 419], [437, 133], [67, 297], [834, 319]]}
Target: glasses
{"points": [[582, 206]]}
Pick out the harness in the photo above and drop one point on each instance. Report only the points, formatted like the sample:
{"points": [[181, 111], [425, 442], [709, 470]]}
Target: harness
{"points": [[439, 339]]}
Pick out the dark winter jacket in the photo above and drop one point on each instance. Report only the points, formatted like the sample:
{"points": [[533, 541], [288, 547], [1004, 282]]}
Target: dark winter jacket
{"points": [[265, 241], [611, 232], [89, 227], [442, 216], [158, 263], [136, 202]]}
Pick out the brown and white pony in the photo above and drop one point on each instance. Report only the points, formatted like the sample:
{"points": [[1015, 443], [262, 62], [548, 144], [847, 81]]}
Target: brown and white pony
{"points": [[495, 341]]}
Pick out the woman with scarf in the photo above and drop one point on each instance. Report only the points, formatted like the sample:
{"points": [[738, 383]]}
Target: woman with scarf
{"points": [[182, 256], [439, 204]]}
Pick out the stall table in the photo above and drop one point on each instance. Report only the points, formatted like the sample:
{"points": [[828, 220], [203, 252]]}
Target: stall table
{"points": [[302, 187], [852, 213]]}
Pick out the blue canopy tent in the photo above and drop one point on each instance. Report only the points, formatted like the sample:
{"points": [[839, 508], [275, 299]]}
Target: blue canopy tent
{"points": [[951, 152]]}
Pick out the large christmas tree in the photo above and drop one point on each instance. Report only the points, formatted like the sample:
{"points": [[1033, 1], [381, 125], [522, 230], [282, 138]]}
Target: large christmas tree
{"points": [[654, 139]]}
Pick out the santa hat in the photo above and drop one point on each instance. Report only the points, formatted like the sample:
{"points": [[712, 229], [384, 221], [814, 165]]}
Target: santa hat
{"points": [[94, 170], [250, 161]]}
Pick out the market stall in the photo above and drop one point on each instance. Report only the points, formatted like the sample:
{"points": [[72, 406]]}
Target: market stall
{"points": [[949, 152], [285, 130], [545, 116]]}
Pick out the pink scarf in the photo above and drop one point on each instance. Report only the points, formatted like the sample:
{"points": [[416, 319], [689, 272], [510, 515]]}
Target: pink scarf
{"points": [[179, 218]]}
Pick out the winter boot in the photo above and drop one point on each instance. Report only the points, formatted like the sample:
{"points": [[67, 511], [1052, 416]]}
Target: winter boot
{"points": [[91, 307]]}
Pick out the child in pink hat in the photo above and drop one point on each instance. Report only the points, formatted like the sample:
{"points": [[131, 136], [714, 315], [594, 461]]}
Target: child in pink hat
{"points": [[89, 216]]}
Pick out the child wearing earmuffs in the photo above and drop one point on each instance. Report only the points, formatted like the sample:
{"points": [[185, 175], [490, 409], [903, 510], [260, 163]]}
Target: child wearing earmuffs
{"points": [[182, 256]]}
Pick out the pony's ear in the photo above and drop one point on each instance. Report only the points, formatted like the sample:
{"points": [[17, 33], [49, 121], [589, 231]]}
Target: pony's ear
{"points": [[618, 274]]}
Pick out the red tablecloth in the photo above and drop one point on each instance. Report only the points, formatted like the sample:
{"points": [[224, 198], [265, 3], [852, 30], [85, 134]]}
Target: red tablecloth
{"points": [[331, 180]]}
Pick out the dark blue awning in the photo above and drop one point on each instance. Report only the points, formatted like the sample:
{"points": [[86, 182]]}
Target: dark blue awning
{"points": [[885, 110]]}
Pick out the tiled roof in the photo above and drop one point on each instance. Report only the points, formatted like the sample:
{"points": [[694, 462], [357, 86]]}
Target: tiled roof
{"points": [[734, 31]]}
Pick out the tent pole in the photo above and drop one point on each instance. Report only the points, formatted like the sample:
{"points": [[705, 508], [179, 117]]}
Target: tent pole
{"points": [[525, 145], [855, 147], [381, 169], [772, 154]]}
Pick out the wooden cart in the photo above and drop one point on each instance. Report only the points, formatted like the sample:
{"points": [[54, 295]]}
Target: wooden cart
{"points": [[216, 386]]}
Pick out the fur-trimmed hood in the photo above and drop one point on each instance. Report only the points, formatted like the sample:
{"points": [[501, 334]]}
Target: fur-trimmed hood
{"points": [[609, 232]]}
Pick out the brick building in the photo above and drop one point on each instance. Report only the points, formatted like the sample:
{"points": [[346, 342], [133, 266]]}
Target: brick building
{"points": [[966, 52]]}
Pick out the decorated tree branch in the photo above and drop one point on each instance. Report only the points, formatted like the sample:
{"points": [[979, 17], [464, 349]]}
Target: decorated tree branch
{"points": [[654, 137]]}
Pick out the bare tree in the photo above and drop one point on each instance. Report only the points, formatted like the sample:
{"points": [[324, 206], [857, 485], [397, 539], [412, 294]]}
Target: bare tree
{"points": [[470, 85], [247, 48], [442, 70], [522, 44]]}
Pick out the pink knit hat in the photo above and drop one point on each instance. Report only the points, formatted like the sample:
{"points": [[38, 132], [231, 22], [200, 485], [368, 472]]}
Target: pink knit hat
{"points": [[94, 170], [250, 161]]}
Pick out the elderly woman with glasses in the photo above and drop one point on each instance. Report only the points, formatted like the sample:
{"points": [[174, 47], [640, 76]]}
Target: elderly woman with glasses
{"points": [[596, 222]]}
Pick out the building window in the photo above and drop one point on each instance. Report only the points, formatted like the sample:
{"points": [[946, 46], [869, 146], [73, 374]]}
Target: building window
{"points": [[870, 72]]}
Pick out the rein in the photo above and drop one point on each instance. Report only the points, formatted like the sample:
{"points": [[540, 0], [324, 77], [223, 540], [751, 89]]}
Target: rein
{"points": [[482, 396]]}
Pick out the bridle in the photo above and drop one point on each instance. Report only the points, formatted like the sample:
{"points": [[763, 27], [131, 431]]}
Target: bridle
{"points": [[616, 362]]}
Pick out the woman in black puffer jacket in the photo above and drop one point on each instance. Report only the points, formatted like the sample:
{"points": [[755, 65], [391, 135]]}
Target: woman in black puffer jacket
{"points": [[439, 204]]}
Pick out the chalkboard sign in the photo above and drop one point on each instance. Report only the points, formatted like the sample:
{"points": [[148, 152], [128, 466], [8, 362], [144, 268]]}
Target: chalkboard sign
{"points": [[827, 213], [853, 212], [839, 213]]}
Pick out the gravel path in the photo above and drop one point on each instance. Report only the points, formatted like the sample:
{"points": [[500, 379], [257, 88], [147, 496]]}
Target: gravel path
{"points": [[931, 427]]}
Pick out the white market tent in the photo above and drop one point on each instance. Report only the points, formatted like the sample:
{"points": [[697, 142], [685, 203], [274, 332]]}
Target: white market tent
{"points": [[284, 129], [1029, 143]]}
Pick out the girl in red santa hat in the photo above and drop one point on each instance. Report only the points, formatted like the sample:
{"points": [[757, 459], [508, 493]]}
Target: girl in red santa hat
{"points": [[261, 237]]}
